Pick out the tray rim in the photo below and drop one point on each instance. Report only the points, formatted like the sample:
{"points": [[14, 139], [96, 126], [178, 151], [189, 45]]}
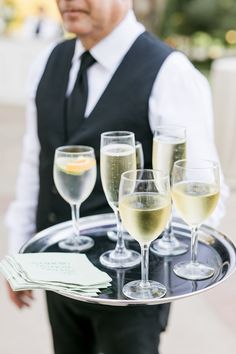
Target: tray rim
{"points": [[100, 220]]}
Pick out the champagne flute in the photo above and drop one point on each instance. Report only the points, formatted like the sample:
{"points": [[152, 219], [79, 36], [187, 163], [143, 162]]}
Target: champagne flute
{"points": [[145, 204], [112, 235], [195, 192], [139, 155], [74, 175], [117, 156], [169, 145]]}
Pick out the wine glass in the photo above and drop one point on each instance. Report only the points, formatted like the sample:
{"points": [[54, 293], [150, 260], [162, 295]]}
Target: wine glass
{"points": [[195, 192], [117, 156], [112, 235], [144, 204], [169, 145], [74, 175]]}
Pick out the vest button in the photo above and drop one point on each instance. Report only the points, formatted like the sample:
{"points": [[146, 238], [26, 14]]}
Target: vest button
{"points": [[52, 217]]}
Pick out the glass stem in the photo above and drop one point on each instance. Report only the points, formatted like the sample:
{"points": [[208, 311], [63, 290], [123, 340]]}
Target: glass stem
{"points": [[168, 233], [120, 282], [144, 265], [194, 243], [75, 222], [120, 245]]}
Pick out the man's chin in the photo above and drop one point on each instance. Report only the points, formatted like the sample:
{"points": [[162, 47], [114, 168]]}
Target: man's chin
{"points": [[78, 30]]}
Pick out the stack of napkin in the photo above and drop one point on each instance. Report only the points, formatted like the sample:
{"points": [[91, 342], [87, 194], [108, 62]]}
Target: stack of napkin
{"points": [[69, 273]]}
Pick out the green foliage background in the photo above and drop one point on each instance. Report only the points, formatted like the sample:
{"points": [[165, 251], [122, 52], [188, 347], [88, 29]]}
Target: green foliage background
{"points": [[186, 17]]}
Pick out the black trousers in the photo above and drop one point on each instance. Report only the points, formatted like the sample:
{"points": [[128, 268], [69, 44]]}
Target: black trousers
{"points": [[80, 328]]}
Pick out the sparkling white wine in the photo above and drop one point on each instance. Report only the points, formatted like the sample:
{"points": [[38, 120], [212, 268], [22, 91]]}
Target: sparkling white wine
{"points": [[167, 150], [75, 178], [144, 215], [195, 201], [115, 159]]}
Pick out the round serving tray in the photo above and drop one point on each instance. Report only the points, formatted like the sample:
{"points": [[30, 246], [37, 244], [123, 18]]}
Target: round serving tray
{"points": [[214, 248]]}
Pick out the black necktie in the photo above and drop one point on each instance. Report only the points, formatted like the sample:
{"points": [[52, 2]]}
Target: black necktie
{"points": [[76, 102]]}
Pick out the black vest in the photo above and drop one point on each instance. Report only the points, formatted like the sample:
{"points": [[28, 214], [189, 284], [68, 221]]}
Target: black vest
{"points": [[124, 105]]}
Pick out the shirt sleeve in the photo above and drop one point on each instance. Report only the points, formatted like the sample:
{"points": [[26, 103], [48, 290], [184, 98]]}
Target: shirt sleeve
{"points": [[21, 215], [181, 95]]}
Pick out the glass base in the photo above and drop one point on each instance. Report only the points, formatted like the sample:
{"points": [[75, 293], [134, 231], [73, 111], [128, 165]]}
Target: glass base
{"points": [[171, 247], [193, 271], [112, 259], [134, 290], [112, 235], [72, 244]]}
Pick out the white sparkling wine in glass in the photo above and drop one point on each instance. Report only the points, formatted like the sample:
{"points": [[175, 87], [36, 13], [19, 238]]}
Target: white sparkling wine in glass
{"points": [[169, 146], [117, 154], [145, 215], [195, 192], [167, 150], [75, 178], [115, 159], [144, 204], [195, 201]]}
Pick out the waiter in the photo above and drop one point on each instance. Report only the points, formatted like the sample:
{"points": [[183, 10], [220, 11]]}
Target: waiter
{"points": [[113, 76]]}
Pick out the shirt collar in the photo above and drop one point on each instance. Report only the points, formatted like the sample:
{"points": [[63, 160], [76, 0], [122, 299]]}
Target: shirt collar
{"points": [[110, 51]]}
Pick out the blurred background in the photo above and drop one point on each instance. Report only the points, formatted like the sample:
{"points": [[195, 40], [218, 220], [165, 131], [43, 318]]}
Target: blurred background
{"points": [[206, 31]]}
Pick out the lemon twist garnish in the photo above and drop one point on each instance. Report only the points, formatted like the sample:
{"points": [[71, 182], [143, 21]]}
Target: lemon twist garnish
{"points": [[79, 166]]}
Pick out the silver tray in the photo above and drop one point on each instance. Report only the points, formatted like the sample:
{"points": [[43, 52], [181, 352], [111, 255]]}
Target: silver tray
{"points": [[214, 248]]}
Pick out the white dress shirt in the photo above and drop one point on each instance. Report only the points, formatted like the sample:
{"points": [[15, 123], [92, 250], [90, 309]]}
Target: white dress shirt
{"points": [[180, 96]]}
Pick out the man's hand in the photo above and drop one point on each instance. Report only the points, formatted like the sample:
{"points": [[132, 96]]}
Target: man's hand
{"points": [[20, 298]]}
